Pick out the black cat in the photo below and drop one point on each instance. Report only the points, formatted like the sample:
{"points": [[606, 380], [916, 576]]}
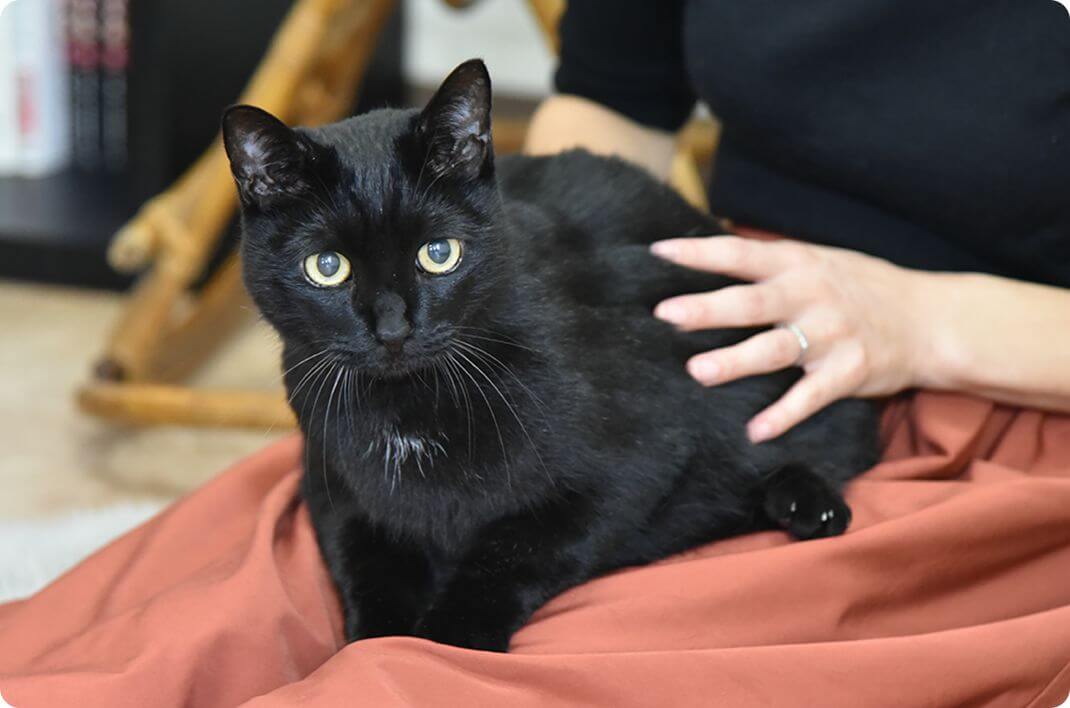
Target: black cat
{"points": [[491, 413]]}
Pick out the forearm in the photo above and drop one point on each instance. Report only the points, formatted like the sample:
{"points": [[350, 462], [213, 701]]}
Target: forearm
{"points": [[995, 337], [563, 122]]}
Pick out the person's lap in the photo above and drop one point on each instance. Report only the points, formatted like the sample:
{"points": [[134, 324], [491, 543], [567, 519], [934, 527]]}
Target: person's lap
{"points": [[948, 589]]}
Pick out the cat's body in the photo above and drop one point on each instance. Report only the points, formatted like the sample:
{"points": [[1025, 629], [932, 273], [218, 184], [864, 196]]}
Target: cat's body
{"points": [[541, 428]]}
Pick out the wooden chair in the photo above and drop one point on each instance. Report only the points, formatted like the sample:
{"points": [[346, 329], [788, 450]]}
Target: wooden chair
{"points": [[309, 75]]}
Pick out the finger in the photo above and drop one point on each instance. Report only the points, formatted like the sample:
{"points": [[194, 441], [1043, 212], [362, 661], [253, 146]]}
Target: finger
{"points": [[734, 306], [810, 394], [761, 354], [744, 258]]}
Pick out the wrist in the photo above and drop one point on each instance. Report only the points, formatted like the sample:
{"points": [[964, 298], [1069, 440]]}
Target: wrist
{"points": [[942, 351], [990, 336]]}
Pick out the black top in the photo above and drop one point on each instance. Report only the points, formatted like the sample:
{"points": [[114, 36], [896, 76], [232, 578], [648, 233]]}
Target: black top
{"points": [[933, 133]]}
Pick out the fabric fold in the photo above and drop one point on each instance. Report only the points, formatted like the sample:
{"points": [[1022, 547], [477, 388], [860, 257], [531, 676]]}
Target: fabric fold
{"points": [[952, 588]]}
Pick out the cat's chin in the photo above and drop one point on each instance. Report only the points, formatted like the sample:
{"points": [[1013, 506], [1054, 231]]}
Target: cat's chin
{"points": [[399, 369], [398, 373]]}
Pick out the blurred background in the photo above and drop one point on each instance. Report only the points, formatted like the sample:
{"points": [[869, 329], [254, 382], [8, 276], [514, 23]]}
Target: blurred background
{"points": [[103, 104]]}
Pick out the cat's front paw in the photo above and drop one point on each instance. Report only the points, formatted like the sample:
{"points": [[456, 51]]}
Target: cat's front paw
{"points": [[805, 505], [466, 632]]}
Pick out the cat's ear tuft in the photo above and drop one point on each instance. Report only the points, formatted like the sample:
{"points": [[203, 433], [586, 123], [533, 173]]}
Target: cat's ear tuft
{"points": [[267, 158], [455, 125]]}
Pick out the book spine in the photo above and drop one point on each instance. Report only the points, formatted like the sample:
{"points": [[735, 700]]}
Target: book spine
{"points": [[83, 34], [41, 75], [115, 59], [9, 126]]}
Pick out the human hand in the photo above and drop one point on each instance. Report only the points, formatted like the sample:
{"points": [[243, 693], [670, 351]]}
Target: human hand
{"points": [[861, 316]]}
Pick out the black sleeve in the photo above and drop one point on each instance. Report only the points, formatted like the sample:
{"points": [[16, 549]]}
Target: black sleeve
{"points": [[627, 55]]}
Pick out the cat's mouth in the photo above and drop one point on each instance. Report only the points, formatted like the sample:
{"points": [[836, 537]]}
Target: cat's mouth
{"points": [[394, 365], [402, 368]]}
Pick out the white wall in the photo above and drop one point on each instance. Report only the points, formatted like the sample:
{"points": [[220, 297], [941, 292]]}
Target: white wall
{"points": [[503, 32]]}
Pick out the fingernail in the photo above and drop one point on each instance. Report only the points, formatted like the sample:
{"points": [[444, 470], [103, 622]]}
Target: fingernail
{"points": [[759, 431], [704, 371], [665, 249], [670, 312]]}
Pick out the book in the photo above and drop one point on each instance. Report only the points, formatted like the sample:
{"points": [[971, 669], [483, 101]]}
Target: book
{"points": [[41, 85], [83, 46], [9, 126], [114, 59]]}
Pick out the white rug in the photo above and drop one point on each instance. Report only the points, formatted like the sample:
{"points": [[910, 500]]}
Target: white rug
{"points": [[34, 552]]}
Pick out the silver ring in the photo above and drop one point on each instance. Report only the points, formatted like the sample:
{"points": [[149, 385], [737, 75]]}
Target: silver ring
{"points": [[804, 343]]}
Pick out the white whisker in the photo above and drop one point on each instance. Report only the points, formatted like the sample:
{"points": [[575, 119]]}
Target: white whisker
{"points": [[493, 415], [326, 424]]}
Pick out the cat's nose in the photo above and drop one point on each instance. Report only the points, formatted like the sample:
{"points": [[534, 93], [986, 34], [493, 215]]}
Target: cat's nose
{"points": [[391, 325], [393, 336]]}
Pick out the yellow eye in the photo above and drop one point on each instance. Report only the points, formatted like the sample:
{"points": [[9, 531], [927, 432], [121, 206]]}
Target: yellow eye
{"points": [[440, 256], [327, 269]]}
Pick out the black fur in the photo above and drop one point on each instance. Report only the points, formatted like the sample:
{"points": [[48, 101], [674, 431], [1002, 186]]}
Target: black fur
{"points": [[537, 428]]}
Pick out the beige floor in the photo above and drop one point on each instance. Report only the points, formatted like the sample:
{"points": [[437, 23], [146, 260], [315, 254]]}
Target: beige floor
{"points": [[54, 459]]}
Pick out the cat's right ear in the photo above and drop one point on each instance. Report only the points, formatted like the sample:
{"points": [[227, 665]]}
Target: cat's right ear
{"points": [[455, 124], [267, 159]]}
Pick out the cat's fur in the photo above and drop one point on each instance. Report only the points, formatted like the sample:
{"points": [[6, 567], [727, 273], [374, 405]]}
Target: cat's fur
{"points": [[538, 427]]}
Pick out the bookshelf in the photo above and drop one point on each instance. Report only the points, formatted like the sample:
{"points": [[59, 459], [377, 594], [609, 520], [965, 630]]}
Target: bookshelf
{"points": [[188, 61], [55, 229]]}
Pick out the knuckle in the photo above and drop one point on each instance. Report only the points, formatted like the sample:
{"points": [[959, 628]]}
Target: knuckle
{"points": [[694, 248], [837, 327], [684, 250], [682, 313], [785, 348], [861, 362], [796, 251], [753, 305], [703, 310], [800, 255], [727, 363], [855, 364], [857, 358], [734, 251], [824, 281], [809, 399], [692, 313]]}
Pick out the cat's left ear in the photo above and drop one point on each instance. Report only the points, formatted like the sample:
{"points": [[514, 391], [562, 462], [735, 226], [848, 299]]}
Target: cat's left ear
{"points": [[455, 125], [267, 159]]}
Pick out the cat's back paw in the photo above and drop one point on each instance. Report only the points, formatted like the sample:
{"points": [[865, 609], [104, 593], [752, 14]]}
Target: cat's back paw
{"points": [[804, 504]]}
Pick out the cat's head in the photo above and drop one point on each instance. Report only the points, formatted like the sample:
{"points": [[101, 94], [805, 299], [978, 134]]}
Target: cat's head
{"points": [[378, 238]]}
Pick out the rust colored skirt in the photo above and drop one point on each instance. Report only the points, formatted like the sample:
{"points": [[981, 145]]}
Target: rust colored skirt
{"points": [[952, 588]]}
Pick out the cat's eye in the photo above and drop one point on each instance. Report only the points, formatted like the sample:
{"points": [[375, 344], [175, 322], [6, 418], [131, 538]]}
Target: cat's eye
{"points": [[327, 269], [440, 256]]}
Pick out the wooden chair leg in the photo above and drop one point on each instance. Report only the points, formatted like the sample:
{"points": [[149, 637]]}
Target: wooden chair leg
{"points": [[219, 311], [135, 339], [159, 404], [685, 178], [548, 14]]}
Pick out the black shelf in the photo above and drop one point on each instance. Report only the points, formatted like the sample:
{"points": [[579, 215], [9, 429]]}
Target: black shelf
{"points": [[57, 228]]}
